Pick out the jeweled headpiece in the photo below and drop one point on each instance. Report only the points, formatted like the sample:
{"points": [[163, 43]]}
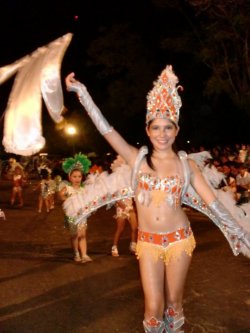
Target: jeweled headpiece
{"points": [[163, 101], [78, 162]]}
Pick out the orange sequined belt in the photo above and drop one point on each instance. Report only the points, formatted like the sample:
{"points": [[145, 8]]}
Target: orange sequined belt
{"points": [[165, 239]]}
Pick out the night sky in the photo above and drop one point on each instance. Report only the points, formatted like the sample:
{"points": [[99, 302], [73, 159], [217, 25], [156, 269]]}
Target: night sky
{"points": [[117, 51]]}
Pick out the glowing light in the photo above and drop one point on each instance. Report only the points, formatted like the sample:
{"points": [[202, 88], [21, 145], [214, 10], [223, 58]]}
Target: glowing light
{"points": [[76, 17], [70, 130]]}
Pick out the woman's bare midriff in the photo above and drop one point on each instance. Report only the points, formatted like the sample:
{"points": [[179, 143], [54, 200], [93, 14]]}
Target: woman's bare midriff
{"points": [[160, 219]]}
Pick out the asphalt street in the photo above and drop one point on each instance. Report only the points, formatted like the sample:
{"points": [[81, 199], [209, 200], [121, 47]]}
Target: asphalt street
{"points": [[43, 291]]}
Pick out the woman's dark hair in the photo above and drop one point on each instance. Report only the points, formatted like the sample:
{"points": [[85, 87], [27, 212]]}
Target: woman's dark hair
{"points": [[150, 149]]}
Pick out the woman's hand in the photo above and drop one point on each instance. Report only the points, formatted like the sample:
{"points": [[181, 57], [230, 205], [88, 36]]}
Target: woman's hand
{"points": [[70, 80], [75, 86]]}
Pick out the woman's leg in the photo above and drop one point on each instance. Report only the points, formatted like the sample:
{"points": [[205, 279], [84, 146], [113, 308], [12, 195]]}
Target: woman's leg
{"points": [[120, 225], [75, 247], [176, 273], [20, 197], [82, 242], [82, 245], [152, 278], [51, 201], [46, 200], [13, 196], [40, 203]]}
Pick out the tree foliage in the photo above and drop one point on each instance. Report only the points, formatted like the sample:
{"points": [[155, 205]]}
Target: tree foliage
{"points": [[219, 36], [124, 70]]}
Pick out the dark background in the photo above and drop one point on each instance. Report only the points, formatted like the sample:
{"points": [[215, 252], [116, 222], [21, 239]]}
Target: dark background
{"points": [[120, 47]]}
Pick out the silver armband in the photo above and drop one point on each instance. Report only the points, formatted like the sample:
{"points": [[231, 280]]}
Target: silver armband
{"points": [[93, 111], [229, 222]]}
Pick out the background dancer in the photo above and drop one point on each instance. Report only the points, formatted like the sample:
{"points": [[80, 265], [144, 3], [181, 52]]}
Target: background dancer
{"points": [[43, 188], [125, 211], [71, 195], [18, 181]]}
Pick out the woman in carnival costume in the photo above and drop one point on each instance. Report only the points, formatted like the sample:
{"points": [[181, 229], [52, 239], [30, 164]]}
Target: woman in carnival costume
{"points": [[71, 194], [161, 181]]}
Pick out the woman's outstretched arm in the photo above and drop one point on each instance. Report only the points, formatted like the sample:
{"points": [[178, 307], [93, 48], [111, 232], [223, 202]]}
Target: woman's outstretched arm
{"points": [[216, 207], [116, 141]]}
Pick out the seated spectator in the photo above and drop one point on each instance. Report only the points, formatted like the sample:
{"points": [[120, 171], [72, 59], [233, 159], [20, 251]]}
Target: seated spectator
{"points": [[243, 183]]}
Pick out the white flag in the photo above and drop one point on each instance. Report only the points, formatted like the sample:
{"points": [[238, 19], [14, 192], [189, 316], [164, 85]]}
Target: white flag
{"points": [[38, 75]]}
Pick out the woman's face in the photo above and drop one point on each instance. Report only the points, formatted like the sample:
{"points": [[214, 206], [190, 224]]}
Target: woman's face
{"points": [[162, 133], [75, 177]]}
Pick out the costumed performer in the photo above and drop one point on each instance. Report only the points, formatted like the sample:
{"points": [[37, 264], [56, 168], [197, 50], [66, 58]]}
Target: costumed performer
{"points": [[43, 189], [125, 211], [165, 239], [18, 181], [71, 194]]}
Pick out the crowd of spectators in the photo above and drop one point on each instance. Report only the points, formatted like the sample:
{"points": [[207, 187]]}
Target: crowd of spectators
{"points": [[232, 160]]}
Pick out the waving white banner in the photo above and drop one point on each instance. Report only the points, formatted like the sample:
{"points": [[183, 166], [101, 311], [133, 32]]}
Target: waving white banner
{"points": [[38, 75]]}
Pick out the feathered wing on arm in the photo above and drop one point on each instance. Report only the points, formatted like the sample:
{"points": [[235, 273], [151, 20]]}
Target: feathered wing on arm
{"points": [[104, 189], [232, 220], [100, 190]]}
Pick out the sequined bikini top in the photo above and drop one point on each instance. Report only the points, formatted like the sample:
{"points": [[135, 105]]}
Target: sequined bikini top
{"points": [[158, 190]]}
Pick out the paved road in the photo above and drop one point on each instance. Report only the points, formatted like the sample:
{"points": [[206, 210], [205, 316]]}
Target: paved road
{"points": [[43, 291]]}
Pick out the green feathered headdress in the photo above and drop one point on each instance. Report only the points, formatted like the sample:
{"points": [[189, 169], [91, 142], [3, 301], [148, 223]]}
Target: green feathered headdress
{"points": [[78, 162]]}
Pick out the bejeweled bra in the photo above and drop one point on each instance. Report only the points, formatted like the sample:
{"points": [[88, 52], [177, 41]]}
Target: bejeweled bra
{"points": [[153, 188]]}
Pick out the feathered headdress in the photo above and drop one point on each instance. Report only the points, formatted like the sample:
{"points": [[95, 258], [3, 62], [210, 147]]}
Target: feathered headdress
{"points": [[163, 101], [78, 162]]}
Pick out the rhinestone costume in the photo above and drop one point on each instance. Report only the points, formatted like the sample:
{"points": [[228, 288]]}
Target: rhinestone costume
{"points": [[157, 190]]}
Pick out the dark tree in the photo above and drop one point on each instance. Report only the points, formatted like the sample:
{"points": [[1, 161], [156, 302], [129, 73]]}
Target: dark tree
{"points": [[219, 37]]}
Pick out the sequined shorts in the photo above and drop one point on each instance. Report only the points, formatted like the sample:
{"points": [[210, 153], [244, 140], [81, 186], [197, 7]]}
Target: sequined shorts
{"points": [[168, 246], [69, 223]]}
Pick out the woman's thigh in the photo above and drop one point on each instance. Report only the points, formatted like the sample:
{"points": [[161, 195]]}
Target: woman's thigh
{"points": [[176, 273], [152, 278]]}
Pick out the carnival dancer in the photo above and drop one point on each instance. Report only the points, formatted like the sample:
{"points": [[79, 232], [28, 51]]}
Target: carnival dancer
{"points": [[71, 194], [43, 188], [18, 181], [125, 211], [165, 239]]}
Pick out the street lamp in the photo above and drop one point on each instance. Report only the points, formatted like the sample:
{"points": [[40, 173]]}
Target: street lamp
{"points": [[71, 131]]}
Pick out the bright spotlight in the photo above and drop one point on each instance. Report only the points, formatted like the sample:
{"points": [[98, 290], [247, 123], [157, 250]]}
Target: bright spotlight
{"points": [[71, 130]]}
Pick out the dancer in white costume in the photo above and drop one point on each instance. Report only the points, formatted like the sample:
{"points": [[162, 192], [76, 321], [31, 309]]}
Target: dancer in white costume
{"points": [[72, 194], [165, 239]]}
